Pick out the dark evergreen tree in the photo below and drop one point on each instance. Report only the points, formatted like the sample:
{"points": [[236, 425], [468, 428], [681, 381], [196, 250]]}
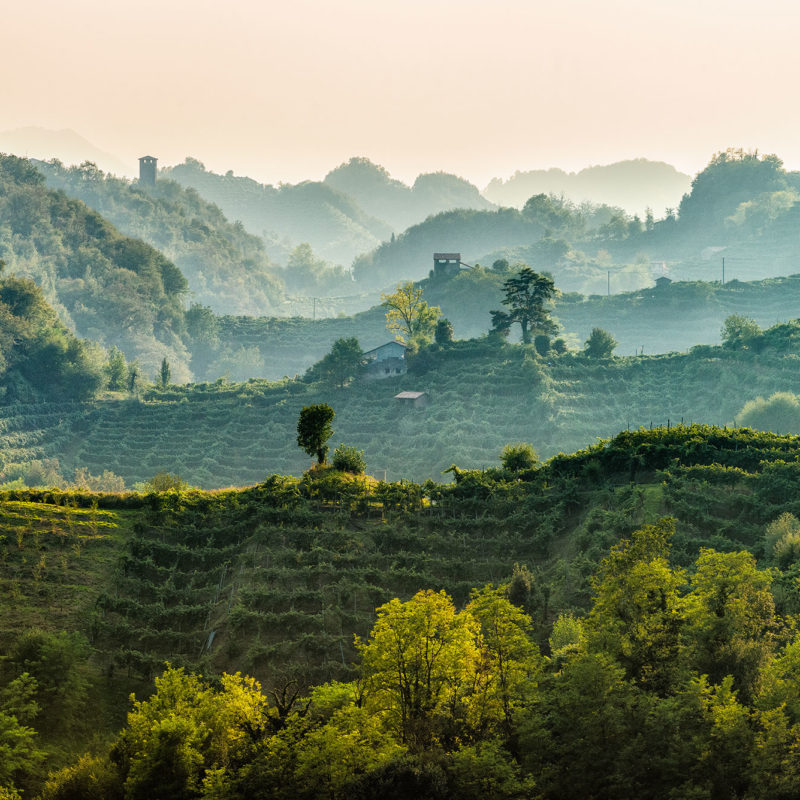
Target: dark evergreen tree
{"points": [[314, 430], [528, 296]]}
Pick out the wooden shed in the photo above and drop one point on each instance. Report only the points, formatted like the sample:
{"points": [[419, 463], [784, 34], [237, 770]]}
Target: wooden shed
{"points": [[413, 399]]}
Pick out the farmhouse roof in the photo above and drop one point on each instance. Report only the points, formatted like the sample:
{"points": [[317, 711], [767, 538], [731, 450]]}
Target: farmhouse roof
{"points": [[408, 395], [385, 344]]}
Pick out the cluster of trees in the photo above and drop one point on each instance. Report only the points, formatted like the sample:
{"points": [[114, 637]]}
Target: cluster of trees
{"points": [[110, 288], [675, 683], [39, 358], [48, 472], [529, 296], [226, 267], [44, 695]]}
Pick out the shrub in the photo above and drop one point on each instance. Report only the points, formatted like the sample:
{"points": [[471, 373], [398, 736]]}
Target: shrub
{"points": [[518, 457], [779, 414], [348, 459], [163, 482], [600, 344], [542, 344]]}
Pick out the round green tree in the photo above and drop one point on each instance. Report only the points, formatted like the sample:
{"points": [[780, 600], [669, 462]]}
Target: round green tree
{"points": [[600, 344], [314, 430], [518, 457]]}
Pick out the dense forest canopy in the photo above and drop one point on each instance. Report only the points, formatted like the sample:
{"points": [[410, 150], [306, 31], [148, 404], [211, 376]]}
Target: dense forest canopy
{"points": [[226, 267], [105, 286], [40, 360]]}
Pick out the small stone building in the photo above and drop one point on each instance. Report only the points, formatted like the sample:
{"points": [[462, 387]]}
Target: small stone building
{"points": [[147, 170], [663, 282], [386, 361], [445, 265]]}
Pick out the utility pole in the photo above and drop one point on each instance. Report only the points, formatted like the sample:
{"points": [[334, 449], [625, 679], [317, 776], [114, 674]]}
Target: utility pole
{"points": [[608, 275], [315, 307], [723, 270]]}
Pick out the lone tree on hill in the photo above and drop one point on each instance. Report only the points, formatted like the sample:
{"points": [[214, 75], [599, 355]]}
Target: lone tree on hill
{"points": [[408, 316], [600, 344], [314, 430], [518, 457], [165, 373], [528, 296]]}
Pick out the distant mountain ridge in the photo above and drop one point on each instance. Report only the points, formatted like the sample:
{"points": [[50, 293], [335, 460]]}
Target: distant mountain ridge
{"points": [[356, 207], [335, 226], [400, 205], [66, 145], [634, 185]]}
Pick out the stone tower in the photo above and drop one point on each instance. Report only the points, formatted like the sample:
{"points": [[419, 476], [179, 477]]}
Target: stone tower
{"points": [[147, 170]]}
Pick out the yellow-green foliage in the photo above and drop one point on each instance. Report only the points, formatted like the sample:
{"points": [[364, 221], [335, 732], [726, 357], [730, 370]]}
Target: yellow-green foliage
{"points": [[453, 704]]}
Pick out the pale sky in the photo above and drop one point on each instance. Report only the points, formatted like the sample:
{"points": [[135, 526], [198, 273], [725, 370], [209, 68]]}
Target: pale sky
{"points": [[286, 90]]}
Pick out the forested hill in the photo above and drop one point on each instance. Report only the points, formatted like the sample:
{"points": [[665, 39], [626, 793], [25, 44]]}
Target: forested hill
{"points": [[656, 655], [634, 185], [40, 360], [226, 268], [742, 207], [332, 223], [107, 287], [469, 232], [483, 394]]}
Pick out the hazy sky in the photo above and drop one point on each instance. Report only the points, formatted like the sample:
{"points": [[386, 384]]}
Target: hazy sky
{"points": [[287, 90]]}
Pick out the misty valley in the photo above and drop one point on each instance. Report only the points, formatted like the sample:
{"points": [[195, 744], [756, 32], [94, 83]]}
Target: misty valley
{"points": [[358, 488]]}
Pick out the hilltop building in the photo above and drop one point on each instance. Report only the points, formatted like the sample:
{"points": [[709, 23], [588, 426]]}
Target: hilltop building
{"points": [[147, 170], [663, 281], [386, 361], [445, 265]]}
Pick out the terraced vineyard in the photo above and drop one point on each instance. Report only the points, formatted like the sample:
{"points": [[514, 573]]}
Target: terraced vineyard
{"points": [[482, 396], [290, 346], [681, 315], [54, 557], [276, 579]]}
